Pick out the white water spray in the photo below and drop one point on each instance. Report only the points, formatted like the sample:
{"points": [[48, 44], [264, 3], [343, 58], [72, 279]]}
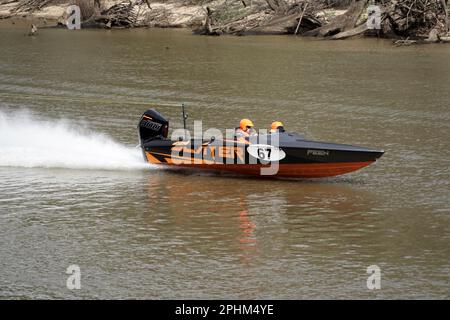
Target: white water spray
{"points": [[26, 142]]}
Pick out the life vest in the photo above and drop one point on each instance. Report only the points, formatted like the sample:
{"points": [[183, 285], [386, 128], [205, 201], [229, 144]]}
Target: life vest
{"points": [[239, 133]]}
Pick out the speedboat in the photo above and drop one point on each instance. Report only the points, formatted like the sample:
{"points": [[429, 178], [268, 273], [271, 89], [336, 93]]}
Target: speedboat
{"points": [[282, 154]]}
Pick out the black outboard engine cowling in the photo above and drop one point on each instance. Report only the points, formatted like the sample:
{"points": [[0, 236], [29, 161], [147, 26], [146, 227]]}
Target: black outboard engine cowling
{"points": [[152, 125]]}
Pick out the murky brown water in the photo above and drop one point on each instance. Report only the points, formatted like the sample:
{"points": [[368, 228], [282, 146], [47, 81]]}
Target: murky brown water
{"points": [[71, 195]]}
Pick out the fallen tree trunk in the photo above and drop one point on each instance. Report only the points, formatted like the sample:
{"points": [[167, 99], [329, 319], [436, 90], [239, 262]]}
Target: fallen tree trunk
{"points": [[405, 42], [208, 24], [433, 36], [8, 2], [301, 18], [277, 21], [30, 5], [341, 23], [350, 33], [444, 5]]}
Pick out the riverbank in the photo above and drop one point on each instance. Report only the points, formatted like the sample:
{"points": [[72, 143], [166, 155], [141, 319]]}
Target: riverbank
{"points": [[419, 23], [157, 14]]}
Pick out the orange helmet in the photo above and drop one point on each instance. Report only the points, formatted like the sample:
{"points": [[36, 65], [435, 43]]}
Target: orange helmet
{"points": [[245, 123], [275, 125]]}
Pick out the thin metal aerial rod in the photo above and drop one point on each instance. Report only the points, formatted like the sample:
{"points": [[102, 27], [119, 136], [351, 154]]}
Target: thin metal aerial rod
{"points": [[185, 115]]}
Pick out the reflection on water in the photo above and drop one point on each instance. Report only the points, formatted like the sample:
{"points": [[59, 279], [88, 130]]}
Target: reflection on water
{"points": [[247, 239], [255, 225], [151, 233]]}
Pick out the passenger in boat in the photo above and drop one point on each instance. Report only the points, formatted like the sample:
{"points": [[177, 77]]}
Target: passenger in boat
{"points": [[245, 129], [276, 126]]}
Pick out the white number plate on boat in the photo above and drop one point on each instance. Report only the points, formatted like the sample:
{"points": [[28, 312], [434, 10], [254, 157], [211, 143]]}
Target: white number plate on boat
{"points": [[266, 152]]}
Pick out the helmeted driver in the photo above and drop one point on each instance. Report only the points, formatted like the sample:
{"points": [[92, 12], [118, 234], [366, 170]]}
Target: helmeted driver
{"points": [[276, 127], [245, 129]]}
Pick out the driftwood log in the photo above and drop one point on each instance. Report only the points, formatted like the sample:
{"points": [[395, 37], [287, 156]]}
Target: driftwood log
{"points": [[284, 24], [350, 33], [444, 4], [279, 17], [400, 19], [208, 25], [7, 2], [411, 18], [30, 5], [342, 22], [121, 15], [405, 42], [301, 17]]}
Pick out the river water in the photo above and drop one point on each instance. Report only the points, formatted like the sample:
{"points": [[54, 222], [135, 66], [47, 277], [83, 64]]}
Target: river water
{"points": [[75, 190]]}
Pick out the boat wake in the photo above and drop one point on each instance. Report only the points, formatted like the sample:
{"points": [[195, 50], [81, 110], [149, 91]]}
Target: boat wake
{"points": [[31, 143]]}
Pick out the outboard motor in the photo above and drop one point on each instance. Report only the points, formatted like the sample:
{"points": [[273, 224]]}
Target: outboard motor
{"points": [[152, 126]]}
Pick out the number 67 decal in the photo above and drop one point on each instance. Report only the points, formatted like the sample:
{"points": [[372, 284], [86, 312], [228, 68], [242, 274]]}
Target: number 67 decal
{"points": [[266, 153]]}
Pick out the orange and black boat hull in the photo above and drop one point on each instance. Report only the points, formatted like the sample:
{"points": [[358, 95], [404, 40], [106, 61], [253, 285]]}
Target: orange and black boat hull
{"points": [[292, 157], [291, 170]]}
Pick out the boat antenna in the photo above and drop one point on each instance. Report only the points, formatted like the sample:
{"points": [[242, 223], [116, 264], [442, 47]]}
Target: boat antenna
{"points": [[185, 116]]}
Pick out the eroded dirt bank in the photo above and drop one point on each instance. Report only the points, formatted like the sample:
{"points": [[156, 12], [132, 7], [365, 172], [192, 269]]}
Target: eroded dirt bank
{"points": [[408, 21]]}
